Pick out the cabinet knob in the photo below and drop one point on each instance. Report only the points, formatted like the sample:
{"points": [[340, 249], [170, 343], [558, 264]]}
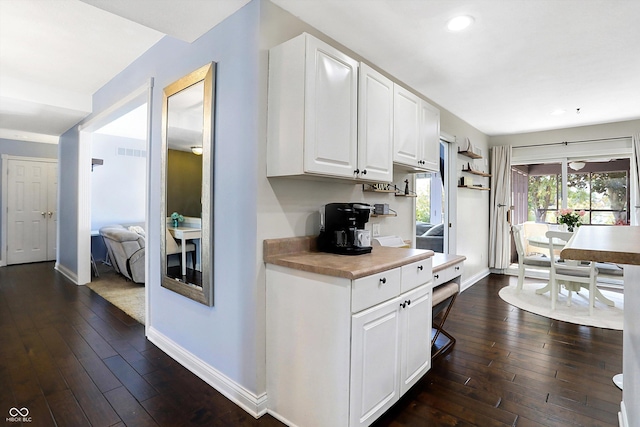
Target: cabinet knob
{"points": [[408, 302], [435, 276], [403, 304], [383, 280], [43, 213], [357, 171], [457, 268], [420, 267]]}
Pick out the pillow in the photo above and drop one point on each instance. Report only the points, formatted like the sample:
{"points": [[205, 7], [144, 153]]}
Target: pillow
{"points": [[422, 227], [137, 229], [437, 230]]}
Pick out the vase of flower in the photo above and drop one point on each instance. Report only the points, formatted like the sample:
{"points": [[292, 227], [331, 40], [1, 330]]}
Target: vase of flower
{"points": [[177, 219], [570, 219]]}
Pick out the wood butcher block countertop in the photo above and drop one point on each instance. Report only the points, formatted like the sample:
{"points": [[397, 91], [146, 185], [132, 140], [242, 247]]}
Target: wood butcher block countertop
{"points": [[617, 244], [300, 253]]}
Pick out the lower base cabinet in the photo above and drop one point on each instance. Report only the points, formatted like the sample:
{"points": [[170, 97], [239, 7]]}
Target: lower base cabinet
{"points": [[328, 366], [391, 350]]}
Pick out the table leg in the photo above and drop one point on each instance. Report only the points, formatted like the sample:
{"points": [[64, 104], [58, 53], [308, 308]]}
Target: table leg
{"points": [[184, 256], [546, 288]]}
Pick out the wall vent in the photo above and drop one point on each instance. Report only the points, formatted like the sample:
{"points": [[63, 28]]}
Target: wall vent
{"points": [[130, 152]]}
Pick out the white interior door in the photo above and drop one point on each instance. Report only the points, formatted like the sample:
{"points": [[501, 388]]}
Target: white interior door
{"points": [[30, 211], [52, 211]]}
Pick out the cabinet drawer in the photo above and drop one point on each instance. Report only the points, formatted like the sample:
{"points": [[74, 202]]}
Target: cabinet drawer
{"points": [[374, 289], [446, 274], [416, 274]]}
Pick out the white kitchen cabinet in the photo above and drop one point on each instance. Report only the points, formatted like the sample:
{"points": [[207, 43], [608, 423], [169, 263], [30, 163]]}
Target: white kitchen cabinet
{"points": [[415, 344], [375, 125], [375, 362], [312, 110], [416, 132], [406, 127], [430, 136], [340, 352], [391, 350]]}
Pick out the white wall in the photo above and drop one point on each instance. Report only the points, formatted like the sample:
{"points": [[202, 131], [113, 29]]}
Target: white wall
{"points": [[607, 130], [118, 186], [471, 214], [288, 207]]}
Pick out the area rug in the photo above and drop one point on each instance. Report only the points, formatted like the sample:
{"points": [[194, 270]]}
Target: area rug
{"points": [[578, 313], [123, 293]]}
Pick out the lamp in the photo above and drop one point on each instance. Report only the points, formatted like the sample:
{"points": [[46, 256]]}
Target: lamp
{"points": [[197, 150], [576, 166]]}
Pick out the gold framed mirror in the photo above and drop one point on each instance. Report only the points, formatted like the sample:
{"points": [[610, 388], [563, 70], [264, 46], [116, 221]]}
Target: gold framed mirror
{"points": [[187, 179]]}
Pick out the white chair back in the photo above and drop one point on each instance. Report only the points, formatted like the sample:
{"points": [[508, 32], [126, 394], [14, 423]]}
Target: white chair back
{"points": [[570, 271]]}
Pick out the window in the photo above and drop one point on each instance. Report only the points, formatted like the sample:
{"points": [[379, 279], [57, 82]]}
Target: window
{"points": [[604, 196], [600, 188]]}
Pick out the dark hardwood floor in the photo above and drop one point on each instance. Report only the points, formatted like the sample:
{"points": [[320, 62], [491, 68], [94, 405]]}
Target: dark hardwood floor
{"points": [[74, 359]]}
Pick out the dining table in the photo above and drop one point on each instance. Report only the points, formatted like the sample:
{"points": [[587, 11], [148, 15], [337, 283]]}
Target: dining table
{"points": [[184, 234]]}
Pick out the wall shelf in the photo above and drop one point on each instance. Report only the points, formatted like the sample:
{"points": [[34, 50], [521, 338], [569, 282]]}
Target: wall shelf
{"points": [[470, 154], [474, 187], [475, 172], [367, 188]]}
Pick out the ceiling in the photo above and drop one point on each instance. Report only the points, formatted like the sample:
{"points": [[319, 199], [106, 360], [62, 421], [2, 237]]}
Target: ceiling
{"points": [[519, 62]]}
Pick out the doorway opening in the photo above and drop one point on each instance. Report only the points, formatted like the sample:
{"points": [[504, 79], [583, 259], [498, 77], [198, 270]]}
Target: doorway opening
{"points": [[432, 230]]}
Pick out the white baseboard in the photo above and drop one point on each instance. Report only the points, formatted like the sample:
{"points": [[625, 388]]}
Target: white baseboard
{"points": [[622, 416], [473, 279], [67, 273], [256, 405]]}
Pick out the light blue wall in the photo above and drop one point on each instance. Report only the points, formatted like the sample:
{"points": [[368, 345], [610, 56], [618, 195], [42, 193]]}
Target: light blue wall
{"points": [[223, 336], [68, 200]]}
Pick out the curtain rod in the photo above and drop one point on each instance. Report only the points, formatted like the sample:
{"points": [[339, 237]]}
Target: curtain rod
{"points": [[572, 142]]}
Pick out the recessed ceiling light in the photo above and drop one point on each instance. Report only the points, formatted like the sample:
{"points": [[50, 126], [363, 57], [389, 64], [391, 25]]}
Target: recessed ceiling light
{"points": [[558, 112], [459, 23]]}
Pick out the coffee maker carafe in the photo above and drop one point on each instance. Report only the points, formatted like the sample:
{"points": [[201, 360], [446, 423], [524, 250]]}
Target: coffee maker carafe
{"points": [[340, 223]]}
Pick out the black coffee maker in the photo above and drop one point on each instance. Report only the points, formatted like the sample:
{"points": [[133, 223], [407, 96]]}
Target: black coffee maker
{"points": [[339, 223]]}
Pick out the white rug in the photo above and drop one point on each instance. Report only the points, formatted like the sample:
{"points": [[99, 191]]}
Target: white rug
{"points": [[578, 313], [124, 294]]}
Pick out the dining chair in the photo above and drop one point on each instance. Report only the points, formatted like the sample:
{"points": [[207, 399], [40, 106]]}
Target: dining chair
{"points": [[571, 272], [524, 260]]}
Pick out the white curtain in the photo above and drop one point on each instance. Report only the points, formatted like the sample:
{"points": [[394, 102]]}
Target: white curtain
{"points": [[635, 178], [499, 233]]}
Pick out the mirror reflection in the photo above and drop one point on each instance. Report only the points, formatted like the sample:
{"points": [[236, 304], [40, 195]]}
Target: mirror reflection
{"points": [[184, 184], [188, 146]]}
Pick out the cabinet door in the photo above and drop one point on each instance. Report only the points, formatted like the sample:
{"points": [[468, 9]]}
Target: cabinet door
{"points": [[375, 126], [406, 127], [415, 351], [331, 108], [374, 362], [429, 136]]}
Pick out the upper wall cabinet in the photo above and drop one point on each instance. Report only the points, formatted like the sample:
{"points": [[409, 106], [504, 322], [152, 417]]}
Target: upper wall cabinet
{"points": [[312, 110], [430, 136], [375, 125], [416, 132]]}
